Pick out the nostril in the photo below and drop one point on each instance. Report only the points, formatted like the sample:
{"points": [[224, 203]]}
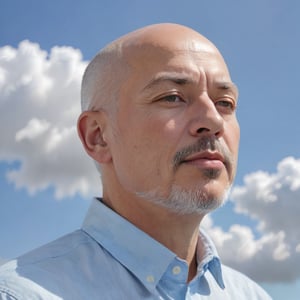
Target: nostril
{"points": [[202, 129]]}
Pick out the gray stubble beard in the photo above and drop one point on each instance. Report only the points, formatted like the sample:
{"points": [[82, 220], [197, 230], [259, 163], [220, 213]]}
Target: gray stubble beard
{"points": [[186, 202]]}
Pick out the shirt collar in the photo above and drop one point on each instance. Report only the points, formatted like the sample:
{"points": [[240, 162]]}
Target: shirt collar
{"points": [[146, 258], [210, 261]]}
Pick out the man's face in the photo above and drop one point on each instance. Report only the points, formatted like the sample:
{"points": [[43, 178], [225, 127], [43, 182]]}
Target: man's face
{"points": [[175, 133]]}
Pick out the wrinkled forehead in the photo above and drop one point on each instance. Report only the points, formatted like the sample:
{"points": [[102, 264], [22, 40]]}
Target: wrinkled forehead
{"points": [[191, 56]]}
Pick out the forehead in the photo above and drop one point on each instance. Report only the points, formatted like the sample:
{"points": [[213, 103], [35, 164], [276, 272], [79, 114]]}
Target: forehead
{"points": [[183, 59], [141, 53]]}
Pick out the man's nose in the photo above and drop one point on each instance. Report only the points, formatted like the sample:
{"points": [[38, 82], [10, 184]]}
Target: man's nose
{"points": [[206, 119]]}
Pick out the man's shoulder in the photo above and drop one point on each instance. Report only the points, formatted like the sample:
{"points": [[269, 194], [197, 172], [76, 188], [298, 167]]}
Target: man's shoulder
{"points": [[14, 284], [73, 267], [240, 283], [58, 248], [43, 271]]}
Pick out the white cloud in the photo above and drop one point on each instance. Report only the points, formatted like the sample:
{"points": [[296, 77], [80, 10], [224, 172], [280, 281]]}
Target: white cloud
{"points": [[273, 200], [2, 261], [39, 106], [34, 129]]}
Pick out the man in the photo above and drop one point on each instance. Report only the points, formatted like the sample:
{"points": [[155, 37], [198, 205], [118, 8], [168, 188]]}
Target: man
{"points": [[159, 120]]}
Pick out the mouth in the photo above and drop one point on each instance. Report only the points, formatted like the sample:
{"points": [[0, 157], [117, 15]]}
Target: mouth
{"points": [[206, 160]]}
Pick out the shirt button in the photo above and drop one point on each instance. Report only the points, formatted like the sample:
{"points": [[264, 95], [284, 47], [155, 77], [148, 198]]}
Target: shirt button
{"points": [[150, 279], [176, 270]]}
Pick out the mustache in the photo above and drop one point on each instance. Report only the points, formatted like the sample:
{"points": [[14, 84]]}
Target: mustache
{"points": [[204, 144]]}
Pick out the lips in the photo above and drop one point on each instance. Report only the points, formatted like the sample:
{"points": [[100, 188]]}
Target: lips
{"points": [[206, 159]]}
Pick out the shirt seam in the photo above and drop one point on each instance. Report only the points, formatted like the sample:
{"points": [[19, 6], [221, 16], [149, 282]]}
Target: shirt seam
{"points": [[8, 292], [64, 253]]}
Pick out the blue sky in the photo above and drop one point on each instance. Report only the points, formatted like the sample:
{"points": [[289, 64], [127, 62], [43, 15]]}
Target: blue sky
{"points": [[46, 181]]}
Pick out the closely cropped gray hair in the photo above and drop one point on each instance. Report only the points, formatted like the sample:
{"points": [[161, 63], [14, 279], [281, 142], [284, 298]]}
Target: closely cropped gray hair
{"points": [[102, 77], [101, 81]]}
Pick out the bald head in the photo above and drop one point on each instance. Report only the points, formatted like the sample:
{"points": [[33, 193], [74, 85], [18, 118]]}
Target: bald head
{"points": [[165, 36], [144, 89], [110, 68]]}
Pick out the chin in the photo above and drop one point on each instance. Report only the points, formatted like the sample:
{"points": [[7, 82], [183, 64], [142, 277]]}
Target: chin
{"points": [[188, 201]]}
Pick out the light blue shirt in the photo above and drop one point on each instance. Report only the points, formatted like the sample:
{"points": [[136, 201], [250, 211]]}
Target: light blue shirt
{"points": [[109, 258]]}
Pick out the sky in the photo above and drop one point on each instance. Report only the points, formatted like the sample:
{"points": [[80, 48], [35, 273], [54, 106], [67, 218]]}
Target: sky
{"points": [[47, 181]]}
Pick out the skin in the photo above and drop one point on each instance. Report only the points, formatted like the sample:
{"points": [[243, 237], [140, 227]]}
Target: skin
{"points": [[174, 92]]}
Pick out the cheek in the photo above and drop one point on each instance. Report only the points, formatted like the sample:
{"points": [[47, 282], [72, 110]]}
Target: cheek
{"points": [[170, 125], [233, 138], [149, 140], [136, 153], [237, 136]]}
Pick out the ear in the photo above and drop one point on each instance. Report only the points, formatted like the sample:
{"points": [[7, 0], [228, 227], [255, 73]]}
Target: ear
{"points": [[91, 130]]}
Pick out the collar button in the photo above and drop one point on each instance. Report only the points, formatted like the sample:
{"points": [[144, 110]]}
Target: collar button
{"points": [[150, 279], [176, 270]]}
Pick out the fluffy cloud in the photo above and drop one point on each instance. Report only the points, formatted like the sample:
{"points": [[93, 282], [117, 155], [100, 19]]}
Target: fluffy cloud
{"points": [[39, 106], [273, 200]]}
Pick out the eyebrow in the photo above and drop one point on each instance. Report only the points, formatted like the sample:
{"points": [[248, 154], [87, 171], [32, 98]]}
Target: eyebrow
{"points": [[183, 79], [227, 86], [176, 78]]}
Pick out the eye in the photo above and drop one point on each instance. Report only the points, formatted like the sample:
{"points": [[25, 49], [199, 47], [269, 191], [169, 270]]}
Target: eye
{"points": [[226, 105], [172, 98]]}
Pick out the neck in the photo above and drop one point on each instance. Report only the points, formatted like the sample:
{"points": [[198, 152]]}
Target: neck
{"points": [[179, 233]]}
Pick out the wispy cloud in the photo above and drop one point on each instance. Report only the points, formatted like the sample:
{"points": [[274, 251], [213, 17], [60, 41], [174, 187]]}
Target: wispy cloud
{"points": [[39, 106], [273, 200]]}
